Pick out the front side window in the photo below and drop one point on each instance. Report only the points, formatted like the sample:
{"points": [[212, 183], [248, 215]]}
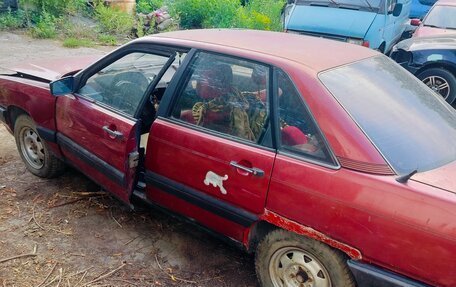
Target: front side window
{"points": [[298, 131], [411, 125], [122, 84], [226, 95]]}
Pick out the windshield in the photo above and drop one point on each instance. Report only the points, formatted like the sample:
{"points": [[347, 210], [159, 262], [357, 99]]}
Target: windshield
{"points": [[441, 17], [355, 4], [409, 124]]}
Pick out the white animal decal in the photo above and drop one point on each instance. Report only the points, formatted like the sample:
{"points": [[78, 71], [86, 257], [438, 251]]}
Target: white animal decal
{"points": [[215, 180]]}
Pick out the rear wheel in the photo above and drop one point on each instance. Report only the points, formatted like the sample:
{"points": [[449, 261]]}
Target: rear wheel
{"points": [[287, 259], [441, 81], [34, 151]]}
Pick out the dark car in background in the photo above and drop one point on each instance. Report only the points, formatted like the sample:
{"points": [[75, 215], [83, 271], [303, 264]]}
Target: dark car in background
{"points": [[432, 60]]}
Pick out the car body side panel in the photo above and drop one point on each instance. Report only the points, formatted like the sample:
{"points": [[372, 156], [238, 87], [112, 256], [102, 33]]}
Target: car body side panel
{"points": [[80, 133], [371, 213], [32, 97], [175, 149], [195, 213]]}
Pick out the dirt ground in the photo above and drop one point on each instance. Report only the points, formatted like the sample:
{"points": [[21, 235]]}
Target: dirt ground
{"points": [[70, 235]]}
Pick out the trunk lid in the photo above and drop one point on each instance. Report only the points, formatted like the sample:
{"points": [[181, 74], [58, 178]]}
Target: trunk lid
{"points": [[442, 177]]}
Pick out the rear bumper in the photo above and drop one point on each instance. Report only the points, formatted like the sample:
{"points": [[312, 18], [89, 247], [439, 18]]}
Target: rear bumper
{"points": [[369, 276]]}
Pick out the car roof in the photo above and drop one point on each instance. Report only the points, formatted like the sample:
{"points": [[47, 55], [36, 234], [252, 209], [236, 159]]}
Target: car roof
{"points": [[316, 53]]}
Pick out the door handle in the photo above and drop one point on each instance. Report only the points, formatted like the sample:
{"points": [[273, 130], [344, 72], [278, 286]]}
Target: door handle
{"points": [[252, 170], [113, 134]]}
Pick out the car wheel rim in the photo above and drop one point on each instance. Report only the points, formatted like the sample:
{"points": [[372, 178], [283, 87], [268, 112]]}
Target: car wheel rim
{"points": [[439, 85], [32, 148], [294, 267]]}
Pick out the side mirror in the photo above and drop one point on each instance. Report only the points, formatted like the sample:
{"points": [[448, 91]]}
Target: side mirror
{"points": [[63, 86], [397, 9], [415, 22]]}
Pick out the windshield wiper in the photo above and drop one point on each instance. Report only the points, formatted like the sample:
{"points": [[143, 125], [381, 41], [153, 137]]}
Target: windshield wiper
{"points": [[369, 4], [334, 2], [405, 178]]}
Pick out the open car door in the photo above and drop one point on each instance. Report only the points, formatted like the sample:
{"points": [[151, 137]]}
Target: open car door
{"points": [[99, 125]]}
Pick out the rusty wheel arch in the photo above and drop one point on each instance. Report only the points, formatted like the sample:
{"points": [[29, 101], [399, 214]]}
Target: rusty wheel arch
{"points": [[270, 221]]}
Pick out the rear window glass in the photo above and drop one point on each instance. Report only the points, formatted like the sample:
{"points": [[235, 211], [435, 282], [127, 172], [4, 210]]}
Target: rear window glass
{"points": [[410, 125]]}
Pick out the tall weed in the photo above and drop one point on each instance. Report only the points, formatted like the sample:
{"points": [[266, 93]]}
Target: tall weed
{"points": [[46, 27], [260, 15], [113, 20], [56, 8], [205, 13]]}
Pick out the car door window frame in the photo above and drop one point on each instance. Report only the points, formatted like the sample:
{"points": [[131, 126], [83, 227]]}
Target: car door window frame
{"points": [[282, 150], [166, 107], [82, 77]]}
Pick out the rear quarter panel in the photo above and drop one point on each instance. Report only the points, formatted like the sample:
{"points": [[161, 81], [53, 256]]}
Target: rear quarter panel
{"points": [[408, 228]]}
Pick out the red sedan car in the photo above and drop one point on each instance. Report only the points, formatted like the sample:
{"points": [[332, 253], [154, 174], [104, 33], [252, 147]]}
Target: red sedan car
{"points": [[329, 161], [440, 20]]}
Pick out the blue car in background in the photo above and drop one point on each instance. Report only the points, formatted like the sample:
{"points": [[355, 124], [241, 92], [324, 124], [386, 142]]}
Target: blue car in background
{"points": [[377, 24], [420, 8]]}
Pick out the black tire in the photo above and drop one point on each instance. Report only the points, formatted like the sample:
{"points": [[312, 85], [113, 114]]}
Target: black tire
{"points": [[442, 74], [34, 151], [310, 261]]}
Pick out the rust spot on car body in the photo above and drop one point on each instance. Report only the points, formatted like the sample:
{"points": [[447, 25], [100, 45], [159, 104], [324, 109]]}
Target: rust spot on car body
{"points": [[293, 226]]}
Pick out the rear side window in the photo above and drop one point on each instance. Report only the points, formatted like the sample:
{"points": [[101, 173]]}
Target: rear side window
{"points": [[298, 132], [225, 95]]}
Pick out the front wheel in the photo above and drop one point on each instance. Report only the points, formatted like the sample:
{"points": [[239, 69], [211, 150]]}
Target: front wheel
{"points": [[441, 81], [34, 151], [286, 259]]}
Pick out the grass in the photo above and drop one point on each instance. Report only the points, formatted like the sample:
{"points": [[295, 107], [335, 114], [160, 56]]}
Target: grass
{"points": [[107, 40], [76, 43]]}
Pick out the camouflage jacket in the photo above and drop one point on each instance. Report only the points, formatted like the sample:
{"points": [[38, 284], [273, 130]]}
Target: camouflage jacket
{"points": [[239, 114]]}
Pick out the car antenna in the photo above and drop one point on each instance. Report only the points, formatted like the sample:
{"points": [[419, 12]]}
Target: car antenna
{"points": [[405, 178]]}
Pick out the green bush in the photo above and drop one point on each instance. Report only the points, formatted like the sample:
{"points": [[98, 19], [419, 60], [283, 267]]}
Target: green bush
{"points": [[261, 15], [11, 20], [147, 6], [255, 14], [45, 28], [56, 8], [205, 13], [77, 42], [112, 20]]}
